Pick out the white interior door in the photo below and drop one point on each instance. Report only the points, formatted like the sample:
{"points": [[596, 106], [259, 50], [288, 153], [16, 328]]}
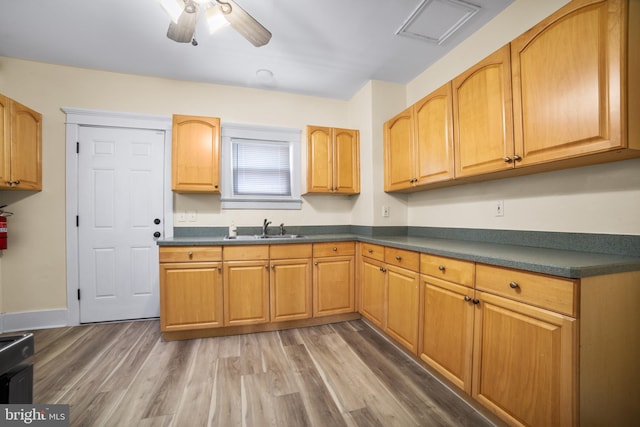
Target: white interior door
{"points": [[120, 207]]}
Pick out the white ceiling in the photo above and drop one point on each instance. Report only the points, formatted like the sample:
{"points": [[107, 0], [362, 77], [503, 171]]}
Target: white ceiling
{"points": [[327, 48]]}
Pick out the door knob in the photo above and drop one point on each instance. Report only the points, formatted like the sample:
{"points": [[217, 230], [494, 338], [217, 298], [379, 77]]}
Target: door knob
{"points": [[156, 221], [156, 234]]}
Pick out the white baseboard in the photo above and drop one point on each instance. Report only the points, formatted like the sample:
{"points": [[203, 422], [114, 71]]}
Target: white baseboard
{"points": [[29, 320]]}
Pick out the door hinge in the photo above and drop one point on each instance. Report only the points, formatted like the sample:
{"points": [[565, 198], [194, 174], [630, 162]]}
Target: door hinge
{"points": [[78, 147], [78, 294], [77, 220]]}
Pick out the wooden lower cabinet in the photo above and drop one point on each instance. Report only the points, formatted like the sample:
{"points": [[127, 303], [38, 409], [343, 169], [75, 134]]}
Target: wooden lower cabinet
{"points": [[403, 306], [190, 296], [246, 290], [290, 287], [446, 338], [524, 364], [373, 291], [333, 278], [190, 288]]}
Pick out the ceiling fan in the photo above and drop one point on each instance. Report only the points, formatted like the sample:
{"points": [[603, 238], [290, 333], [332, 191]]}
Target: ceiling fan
{"points": [[184, 17]]}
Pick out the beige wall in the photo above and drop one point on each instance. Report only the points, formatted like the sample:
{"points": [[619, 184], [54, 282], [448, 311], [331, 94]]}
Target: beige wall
{"points": [[597, 199], [32, 271]]}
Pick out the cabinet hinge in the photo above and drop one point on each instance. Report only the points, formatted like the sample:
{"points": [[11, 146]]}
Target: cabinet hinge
{"points": [[78, 294], [77, 220], [78, 147]]}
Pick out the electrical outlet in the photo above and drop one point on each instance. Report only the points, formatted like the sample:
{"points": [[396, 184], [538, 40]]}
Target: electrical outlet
{"points": [[499, 206], [182, 216], [385, 211], [191, 216]]}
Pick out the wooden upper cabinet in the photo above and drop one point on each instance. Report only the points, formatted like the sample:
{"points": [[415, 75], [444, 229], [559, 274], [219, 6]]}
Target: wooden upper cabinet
{"points": [[195, 153], [20, 146], [333, 164], [419, 143], [398, 151], [483, 118], [433, 132], [569, 73]]}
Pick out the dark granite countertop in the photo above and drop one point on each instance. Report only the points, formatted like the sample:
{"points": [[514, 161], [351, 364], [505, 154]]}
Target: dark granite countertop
{"points": [[558, 262]]}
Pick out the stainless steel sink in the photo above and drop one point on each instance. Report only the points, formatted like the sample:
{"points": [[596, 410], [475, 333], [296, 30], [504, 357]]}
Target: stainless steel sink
{"points": [[266, 237]]}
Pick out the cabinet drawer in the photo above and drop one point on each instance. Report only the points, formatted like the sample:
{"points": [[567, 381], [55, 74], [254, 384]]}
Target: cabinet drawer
{"points": [[373, 251], [453, 270], [334, 249], [402, 258], [190, 253], [291, 251], [549, 292], [239, 253]]}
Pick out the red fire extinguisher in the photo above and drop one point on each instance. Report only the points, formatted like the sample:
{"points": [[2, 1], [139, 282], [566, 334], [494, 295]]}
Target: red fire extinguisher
{"points": [[3, 228]]}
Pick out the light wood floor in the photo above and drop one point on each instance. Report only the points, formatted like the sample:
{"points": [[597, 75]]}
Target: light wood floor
{"points": [[123, 374]]}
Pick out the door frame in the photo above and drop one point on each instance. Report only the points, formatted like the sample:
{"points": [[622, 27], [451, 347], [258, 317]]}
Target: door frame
{"points": [[77, 117]]}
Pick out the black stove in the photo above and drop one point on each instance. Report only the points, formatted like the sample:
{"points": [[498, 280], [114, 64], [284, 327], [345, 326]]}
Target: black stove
{"points": [[16, 374]]}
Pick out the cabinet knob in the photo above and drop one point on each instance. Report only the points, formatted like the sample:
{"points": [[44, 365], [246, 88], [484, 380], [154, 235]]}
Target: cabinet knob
{"points": [[315, 263], [514, 285], [517, 158], [467, 298], [335, 249], [476, 301], [266, 266], [273, 266], [441, 268], [508, 160], [370, 251], [219, 269], [398, 258], [190, 254], [384, 270]]}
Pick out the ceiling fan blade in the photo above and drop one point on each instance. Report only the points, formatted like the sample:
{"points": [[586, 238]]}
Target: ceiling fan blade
{"points": [[244, 23], [183, 30]]}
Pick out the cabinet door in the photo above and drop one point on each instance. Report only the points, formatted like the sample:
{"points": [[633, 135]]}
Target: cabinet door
{"points": [[373, 288], [434, 136], [446, 342], [333, 286], [399, 152], [483, 118], [5, 141], [190, 296], [346, 161], [195, 154], [403, 306], [567, 78], [524, 362], [290, 287], [246, 292], [320, 160], [26, 147]]}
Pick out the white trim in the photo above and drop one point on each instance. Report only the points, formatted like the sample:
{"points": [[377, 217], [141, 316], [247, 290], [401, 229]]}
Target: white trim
{"points": [[77, 117], [231, 132], [28, 320]]}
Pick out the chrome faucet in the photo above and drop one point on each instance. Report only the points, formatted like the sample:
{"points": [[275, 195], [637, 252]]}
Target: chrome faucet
{"points": [[265, 226], [282, 230]]}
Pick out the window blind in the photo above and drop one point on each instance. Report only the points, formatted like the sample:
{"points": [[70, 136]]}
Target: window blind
{"points": [[261, 168]]}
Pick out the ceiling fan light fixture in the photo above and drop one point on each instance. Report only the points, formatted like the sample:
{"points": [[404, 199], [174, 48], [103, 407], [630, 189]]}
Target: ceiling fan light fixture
{"points": [[215, 19], [173, 8]]}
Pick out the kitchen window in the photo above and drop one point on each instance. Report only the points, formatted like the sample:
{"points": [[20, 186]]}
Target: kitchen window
{"points": [[260, 167]]}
